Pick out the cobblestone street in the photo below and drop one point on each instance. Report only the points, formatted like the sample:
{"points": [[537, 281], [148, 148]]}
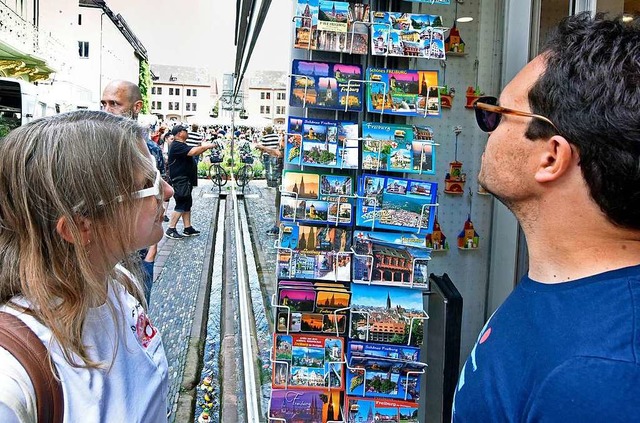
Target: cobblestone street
{"points": [[180, 271]]}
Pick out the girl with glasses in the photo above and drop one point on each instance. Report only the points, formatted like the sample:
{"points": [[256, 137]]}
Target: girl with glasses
{"points": [[79, 194]]}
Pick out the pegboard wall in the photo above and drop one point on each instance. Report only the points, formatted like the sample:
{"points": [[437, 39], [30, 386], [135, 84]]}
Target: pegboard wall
{"points": [[478, 67]]}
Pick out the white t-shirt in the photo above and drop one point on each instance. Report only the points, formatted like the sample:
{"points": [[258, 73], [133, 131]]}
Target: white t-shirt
{"points": [[133, 389]]}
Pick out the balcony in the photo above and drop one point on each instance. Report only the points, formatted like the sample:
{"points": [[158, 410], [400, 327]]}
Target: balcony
{"points": [[25, 49]]}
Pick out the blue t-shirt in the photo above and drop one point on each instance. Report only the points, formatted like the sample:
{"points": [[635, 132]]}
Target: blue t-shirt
{"points": [[565, 352]]}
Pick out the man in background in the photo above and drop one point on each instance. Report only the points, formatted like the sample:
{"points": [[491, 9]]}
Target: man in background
{"points": [[123, 98], [184, 176], [564, 156], [272, 158]]}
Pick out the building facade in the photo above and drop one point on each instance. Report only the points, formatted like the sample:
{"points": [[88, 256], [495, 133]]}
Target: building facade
{"points": [[105, 48], [266, 96], [182, 93], [70, 48]]}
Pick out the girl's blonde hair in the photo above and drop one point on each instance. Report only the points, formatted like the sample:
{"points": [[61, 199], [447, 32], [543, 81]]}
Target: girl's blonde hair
{"points": [[70, 166]]}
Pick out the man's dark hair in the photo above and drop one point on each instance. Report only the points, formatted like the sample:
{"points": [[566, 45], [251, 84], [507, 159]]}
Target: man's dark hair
{"points": [[591, 91]]}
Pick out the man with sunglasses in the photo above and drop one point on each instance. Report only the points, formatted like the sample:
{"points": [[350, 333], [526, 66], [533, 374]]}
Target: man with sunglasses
{"points": [[564, 156]]}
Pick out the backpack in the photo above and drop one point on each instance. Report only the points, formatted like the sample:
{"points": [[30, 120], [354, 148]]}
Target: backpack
{"points": [[21, 342]]}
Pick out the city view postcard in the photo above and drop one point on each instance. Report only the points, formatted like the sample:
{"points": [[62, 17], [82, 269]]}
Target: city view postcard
{"points": [[396, 204], [324, 85], [393, 259], [387, 314], [308, 406], [316, 198], [322, 143], [311, 361], [397, 148], [407, 35], [309, 252], [336, 26], [403, 92], [369, 410]]}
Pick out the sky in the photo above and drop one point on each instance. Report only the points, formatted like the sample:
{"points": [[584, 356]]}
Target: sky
{"points": [[201, 33]]}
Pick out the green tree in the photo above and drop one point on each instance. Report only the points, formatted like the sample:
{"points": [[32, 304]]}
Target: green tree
{"points": [[145, 84]]}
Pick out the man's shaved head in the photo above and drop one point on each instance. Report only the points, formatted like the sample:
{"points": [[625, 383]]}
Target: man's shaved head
{"points": [[122, 98]]}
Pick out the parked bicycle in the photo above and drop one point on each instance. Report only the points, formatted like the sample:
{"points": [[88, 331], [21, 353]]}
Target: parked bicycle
{"points": [[216, 172], [245, 172]]}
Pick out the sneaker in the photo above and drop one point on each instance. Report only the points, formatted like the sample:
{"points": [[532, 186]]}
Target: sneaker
{"points": [[273, 231], [190, 231], [173, 234]]}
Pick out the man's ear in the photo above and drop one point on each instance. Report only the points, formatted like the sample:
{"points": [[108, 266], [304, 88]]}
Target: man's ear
{"points": [[137, 106], [84, 225], [555, 159]]}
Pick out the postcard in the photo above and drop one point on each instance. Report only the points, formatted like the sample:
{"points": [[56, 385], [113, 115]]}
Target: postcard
{"points": [[309, 197], [432, 2], [322, 143], [323, 85], [403, 92], [310, 361], [397, 148], [336, 26], [407, 35], [392, 315], [360, 409], [308, 406], [384, 370], [396, 204], [309, 252], [393, 259], [316, 308]]}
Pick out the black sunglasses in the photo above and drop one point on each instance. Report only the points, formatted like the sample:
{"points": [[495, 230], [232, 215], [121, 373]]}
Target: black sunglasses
{"points": [[488, 114]]}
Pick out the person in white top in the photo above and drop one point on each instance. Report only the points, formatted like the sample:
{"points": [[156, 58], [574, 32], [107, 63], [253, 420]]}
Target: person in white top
{"points": [[73, 210]]}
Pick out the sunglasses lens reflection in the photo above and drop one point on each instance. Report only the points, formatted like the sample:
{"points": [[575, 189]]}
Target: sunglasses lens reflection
{"points": [[487, 121]]}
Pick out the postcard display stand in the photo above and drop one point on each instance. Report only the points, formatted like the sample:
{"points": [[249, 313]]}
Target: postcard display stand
{"points": [[359, 198]]}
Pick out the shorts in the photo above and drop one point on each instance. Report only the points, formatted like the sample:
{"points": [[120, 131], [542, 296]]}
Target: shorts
{"points": [[272, 170], [182, 194], [183, 204]]}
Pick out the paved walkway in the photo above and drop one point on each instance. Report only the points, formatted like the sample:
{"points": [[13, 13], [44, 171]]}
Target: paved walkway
{"points": [[178, 274], [180, 266]]}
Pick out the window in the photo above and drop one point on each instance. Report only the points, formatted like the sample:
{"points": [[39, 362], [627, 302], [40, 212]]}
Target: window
{"points": [[153, 90], [79, 19], [262, 95], [153, 104], [268, 96], [193, 106], [159, 103], [159, 90], [176, 105], [281, 96], [170, 106], [83, 49], [177, 91], [262, 109], [170, 91], [267, 109], [188, 105], [280, 110], [188, 92], [194, 92]]}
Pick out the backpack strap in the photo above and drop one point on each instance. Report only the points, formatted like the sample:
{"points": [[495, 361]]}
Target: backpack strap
{"points": [[17, 338]]}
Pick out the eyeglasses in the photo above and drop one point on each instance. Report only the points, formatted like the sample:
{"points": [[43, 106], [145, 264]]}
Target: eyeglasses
{"points": [[488, 114], [155, 190]]}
